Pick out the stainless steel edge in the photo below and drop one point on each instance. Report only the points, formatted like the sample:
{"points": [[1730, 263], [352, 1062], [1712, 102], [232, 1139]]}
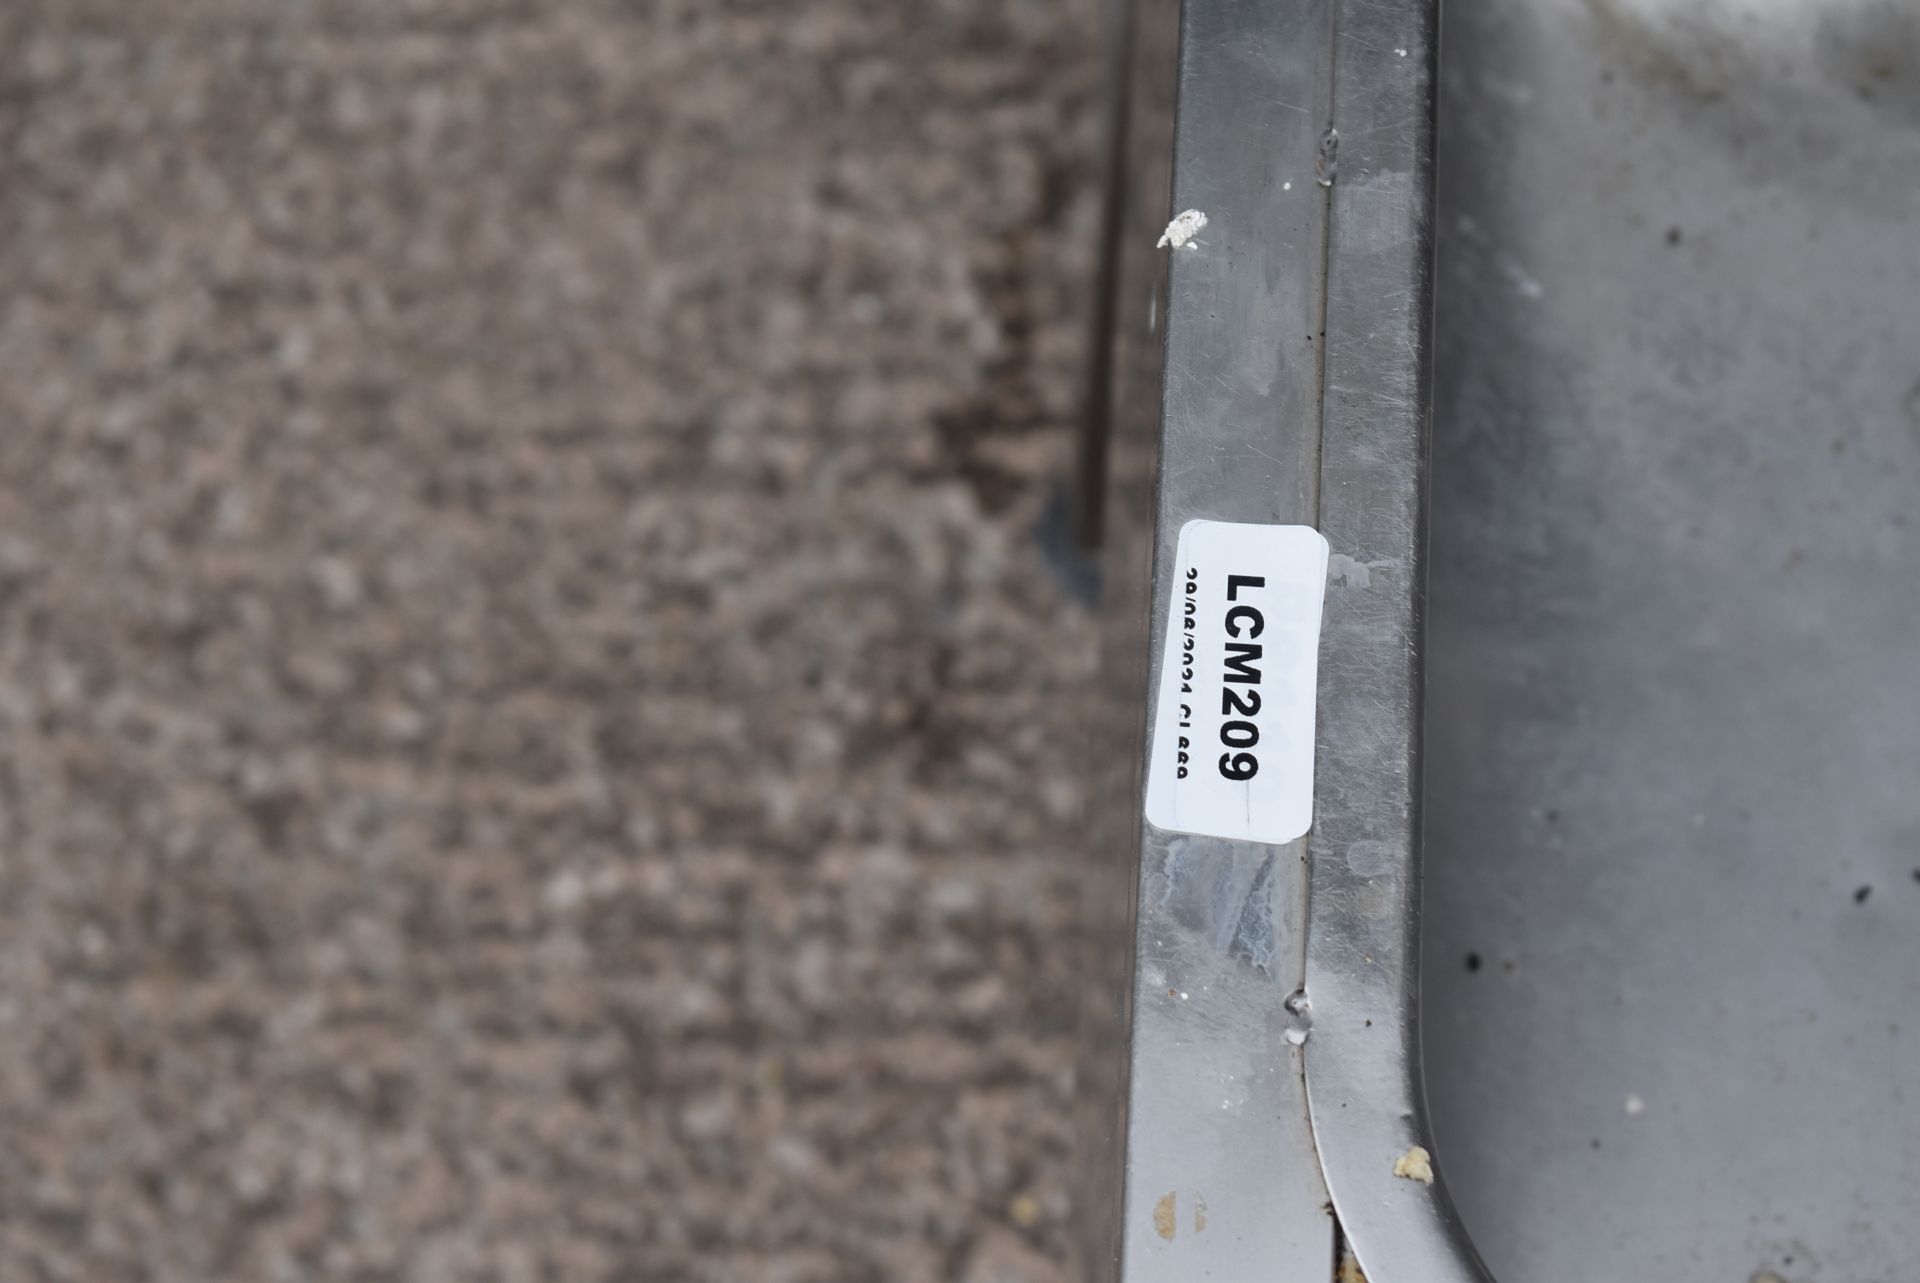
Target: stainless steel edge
{"points": [[1221, 1177], [1115, 721], [1362, 970]]}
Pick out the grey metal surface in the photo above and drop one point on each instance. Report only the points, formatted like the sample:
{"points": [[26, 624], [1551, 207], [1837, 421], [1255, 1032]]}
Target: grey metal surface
{"points": [[1363, 1067], [1221, 1178], [1673, 723]]}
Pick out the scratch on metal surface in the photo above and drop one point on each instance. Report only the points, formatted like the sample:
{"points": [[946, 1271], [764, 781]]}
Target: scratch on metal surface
{"points": [[1351, 572], [1253, 933]]}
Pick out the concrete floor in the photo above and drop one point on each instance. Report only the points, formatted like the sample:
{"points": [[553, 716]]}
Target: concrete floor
{"points": [[530, 701]]}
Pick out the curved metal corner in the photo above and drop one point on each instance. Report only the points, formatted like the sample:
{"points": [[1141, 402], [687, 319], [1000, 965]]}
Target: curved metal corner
{"points": [[1365, 1095], [1288, 348]]}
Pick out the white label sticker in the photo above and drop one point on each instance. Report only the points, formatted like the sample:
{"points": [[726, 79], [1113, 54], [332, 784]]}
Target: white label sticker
{"points": [[1232, 749]]}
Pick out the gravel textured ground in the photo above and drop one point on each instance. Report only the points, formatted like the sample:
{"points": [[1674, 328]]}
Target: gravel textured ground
{"points": [[530, 735]]}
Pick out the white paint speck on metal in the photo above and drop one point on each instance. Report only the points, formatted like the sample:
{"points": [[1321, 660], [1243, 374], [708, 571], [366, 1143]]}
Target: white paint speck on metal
{"points": [[1181, 231]]}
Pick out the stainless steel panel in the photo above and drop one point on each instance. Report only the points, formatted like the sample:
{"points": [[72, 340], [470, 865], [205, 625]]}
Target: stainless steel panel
{"points": [[1221, 1178], [1673, 722], [1227, 423], [1363, 1066], [1672, 727]]}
